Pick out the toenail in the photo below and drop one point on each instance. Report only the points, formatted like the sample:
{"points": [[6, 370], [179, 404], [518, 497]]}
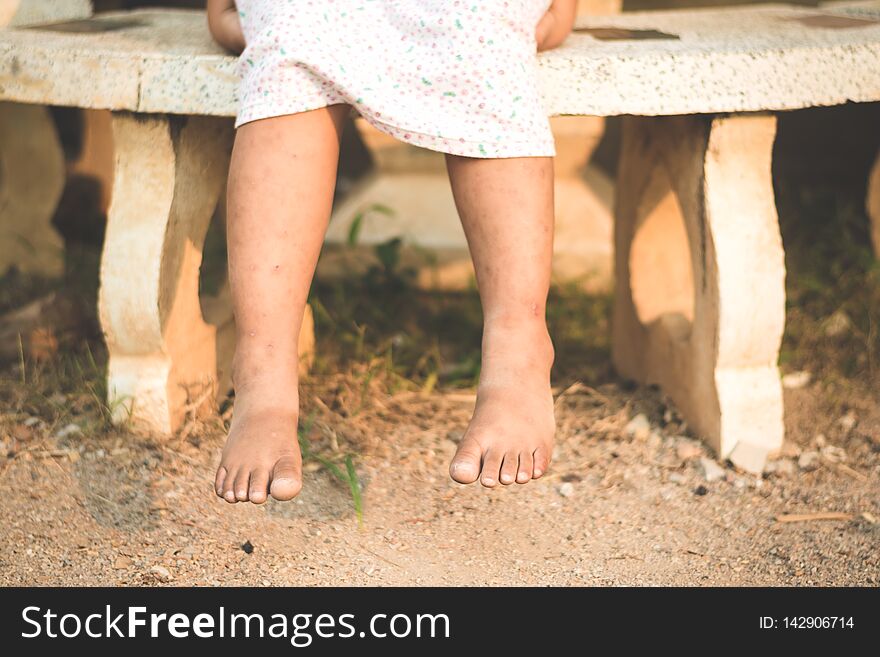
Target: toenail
{"points": [[506, 478], [488, 481], [538, 472]]}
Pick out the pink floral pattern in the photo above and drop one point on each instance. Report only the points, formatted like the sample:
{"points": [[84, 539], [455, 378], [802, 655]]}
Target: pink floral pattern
{"points": [[456, 76]]}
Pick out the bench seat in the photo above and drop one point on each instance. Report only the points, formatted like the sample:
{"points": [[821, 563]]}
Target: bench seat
{"points": [[741, 59]]}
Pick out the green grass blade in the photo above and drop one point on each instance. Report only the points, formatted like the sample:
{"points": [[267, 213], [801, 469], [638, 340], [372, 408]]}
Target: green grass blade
{"points": [[21, 360], [354, 485]]}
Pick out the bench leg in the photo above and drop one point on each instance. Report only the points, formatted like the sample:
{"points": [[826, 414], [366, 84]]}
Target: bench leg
{"points": [[700, 276], [874, 205], [168, 176], [31, 182], [584, 198]]}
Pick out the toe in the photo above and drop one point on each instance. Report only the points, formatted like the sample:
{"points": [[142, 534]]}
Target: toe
{"points": [[541, 462], [259, 488], [240, 487], [286, 479], [509, 468], [524, 474], [228, 486], [218, 481], [465, 465], [491, 468]]}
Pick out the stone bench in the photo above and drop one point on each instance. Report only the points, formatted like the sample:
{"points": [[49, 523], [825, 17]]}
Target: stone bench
{"points": [[699, 267]]}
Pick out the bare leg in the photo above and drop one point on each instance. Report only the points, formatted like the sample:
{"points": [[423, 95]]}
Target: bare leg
{"points": [[506, 207], [281, 184]]}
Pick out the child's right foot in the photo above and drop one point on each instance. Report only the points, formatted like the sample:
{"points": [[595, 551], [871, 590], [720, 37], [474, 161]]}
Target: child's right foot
{"points": [[261, 456]]}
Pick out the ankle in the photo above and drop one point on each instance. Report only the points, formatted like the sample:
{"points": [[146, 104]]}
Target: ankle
{"points": [[516, 352], [524, 334], [267, 387], [253, 408]]}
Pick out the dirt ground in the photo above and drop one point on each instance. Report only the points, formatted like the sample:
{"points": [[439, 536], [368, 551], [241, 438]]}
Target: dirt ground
{"points": [[616, 509]]}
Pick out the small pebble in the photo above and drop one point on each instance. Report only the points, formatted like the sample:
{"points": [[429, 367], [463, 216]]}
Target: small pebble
{"points": [[688, 450], [248, 547], [781, 468], [833, 454], [639, 427], [848, 421], [838, 324], [68, 430], [454, 436], [809, 461], [122, 562], [796, 380], [700, 490], [161, 572], [711, 470], [566, 489]]}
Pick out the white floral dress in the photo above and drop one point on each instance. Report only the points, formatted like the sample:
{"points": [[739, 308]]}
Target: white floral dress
{"points": [[457, 76]]}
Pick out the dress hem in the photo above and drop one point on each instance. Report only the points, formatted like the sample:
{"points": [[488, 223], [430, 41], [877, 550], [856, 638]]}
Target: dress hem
{"points": [[485, 149]]}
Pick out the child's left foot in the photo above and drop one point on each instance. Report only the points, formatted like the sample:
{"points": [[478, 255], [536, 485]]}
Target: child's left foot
{"points": [[510, 437]]}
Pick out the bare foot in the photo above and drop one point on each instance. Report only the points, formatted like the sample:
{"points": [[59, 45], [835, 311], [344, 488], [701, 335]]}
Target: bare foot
{"points": [[261, 456], [510, 437]]}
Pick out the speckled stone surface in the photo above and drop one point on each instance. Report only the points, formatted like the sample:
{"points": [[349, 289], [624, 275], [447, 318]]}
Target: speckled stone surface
{"points": [[159, 61], [751, 58], [29, 12]]}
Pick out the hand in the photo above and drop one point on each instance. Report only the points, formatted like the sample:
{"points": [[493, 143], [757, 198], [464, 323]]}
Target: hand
{"points": [[225, 25], [556, 24]]}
